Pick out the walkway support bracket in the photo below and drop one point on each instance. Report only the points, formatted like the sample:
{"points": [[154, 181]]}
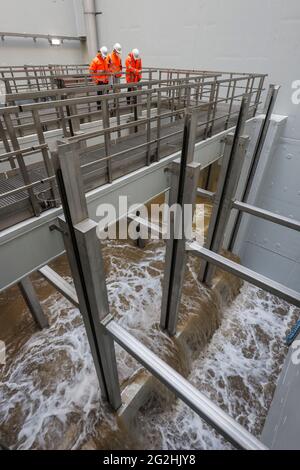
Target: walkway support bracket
{"points": [[33, 303]]}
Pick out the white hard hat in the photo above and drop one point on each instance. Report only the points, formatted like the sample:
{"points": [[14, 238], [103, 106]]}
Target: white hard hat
{"points": [[118, 48], [104, 51], [136, 53]]}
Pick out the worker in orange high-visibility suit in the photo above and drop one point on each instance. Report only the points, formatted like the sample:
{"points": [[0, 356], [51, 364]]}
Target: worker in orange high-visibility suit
{"points": [[115, 63], [99, 70], [133, 69]]}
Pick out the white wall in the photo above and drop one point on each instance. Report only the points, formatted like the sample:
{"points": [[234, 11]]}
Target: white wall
{"points": [[231, 35], [40, 17]]}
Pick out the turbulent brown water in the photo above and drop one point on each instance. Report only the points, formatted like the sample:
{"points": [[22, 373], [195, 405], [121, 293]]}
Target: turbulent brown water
{"points": [[238, 370], [49, 396]]}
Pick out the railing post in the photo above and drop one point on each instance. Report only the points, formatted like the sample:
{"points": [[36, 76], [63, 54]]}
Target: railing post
{"points": [[185, 178], [258, 95], [6, 145], [232, 162], [148, 157], [158, 124], [209, 110], [84, 254], [105, 122]]}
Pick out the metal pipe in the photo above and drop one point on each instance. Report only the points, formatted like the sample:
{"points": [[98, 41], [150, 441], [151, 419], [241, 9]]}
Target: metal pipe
{"points": [[4, 34], [91, 27]]}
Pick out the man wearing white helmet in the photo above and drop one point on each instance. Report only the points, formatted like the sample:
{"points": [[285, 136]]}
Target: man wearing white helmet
{"points": [[99, 70], [99, 64], [133, 69], [115, 63], [133, 66]]}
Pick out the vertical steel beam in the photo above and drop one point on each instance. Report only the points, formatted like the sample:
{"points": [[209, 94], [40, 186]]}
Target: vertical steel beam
{"points": [[158, 124], [107, 142], [84, 254], [33, 303], [148, 155], [232, 162], [185, 177], [269, 108]]}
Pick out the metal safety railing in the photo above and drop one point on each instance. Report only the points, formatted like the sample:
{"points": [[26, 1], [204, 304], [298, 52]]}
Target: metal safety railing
{"points": [[132, 128], [19, 79]]}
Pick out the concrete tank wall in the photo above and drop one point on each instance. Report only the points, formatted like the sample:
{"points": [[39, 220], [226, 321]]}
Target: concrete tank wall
{"points": [[41, 17], [257, 36]]}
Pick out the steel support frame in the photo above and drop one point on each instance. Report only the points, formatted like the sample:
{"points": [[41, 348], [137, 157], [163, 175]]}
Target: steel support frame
{"points": [[86, 263], [267, 215], [269, 108], [275, 288], [232, 163], [184, 182], [83, 250], [198, 402]]}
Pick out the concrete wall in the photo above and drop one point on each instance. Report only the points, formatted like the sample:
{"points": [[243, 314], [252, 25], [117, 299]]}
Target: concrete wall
{"points": [[43, 17], [236, 35]]}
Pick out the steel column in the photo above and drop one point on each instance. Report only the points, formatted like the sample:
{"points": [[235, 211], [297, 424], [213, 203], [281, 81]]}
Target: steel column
{"points": [[85, 258], [270, 103], [185, 177], [234, 154]]}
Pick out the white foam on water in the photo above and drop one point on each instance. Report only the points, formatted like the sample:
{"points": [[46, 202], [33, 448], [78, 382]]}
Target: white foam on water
{"points": [[51, 386], [51, 378], [49, 394], [238, 370]]}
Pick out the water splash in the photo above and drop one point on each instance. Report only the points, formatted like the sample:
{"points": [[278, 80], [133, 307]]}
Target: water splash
{"points": [[49, 395], [238, 370]]}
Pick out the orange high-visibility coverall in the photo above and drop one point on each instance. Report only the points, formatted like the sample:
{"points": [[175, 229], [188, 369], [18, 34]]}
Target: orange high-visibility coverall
{"points": [[115, 64], [99, 64], [133, 69]]}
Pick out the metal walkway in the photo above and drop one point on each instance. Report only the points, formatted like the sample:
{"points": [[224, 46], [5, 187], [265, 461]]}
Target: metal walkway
{"points": [[137, 128]]}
